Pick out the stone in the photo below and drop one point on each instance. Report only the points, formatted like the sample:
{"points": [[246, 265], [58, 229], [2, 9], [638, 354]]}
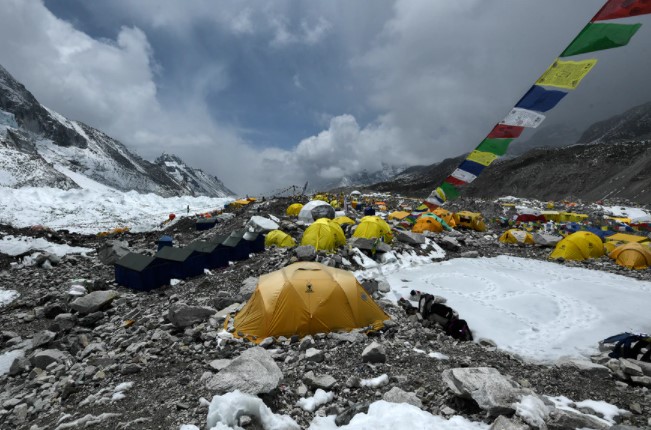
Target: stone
{"points": [[182, 315], [248, 287], [306, 343], [18, 366], [352, 337], [397, 395], [93, 302], [91, 320], [130, 369], [227, 311], [51, 310], [630, 368], [305, 253], [253, 372], [44, 358], [449, 243], [369, 285], [42, 337], [315, 355], [568, 419], [409, 237], [369, 244], [492, 391], [585, 365], [645, 381], [64, 321], [383, 286], [644, 366], [225, 299], [344, 417], [503, 423], [112, 250], [374, 353], [469, 254], [325, 382], [266, 342], [220, 364]]}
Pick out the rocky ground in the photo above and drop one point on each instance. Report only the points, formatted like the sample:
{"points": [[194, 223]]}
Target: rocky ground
{"points": [[119, 359]]}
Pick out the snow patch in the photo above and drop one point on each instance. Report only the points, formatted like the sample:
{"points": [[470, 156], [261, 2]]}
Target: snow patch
{"points": [[320, 397]]}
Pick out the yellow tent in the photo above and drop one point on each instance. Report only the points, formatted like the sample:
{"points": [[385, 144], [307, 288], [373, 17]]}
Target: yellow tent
{"points": [[372, 227], [579, 246], [307, 298], [399, 215], [619, 219], [279, 239], [610, 246], [572, 217], [447, 216], [341, 220], [551, 215], [627, 238], [632, 255], [517, 236], [425, 223], [335, 228], [294, 209], [320, 236], [472, 220]]}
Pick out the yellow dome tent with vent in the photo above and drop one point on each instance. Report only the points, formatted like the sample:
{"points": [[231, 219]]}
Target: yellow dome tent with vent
{"points": [[294, 209], [341, 220], [516, 236], [337, 231], [320, 236], [307, 298], [632, 255], [425, 223], [372, 227], [472, 220], [279, 239], [447, 216], [579, 246]]}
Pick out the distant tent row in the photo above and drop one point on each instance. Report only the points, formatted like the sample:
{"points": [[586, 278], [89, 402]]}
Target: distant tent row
{"points": [[145, 273]]}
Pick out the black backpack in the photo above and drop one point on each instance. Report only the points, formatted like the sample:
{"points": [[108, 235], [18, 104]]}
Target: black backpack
{"points": [[458, 329]]}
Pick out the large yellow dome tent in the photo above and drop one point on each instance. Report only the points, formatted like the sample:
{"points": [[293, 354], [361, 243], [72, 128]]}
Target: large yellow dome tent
{"points": [[320, 236], [372, 227], [516, 236], [632, 255], [294, 209], [425, 223], [579, 246], [279, 239], [307, 298], [335, 228], [341, 220]]}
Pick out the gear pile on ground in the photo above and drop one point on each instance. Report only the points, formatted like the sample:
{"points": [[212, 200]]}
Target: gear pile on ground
{"points": [[81, 351]]}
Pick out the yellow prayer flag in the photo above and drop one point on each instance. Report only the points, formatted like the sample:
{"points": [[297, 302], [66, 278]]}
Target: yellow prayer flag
{"points": [[566, 74], [483, 158]]}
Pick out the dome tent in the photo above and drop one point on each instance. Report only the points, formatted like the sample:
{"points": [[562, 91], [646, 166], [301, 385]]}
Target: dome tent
{"points": [[579, 246], [279, 239], [320, 235], [372, 227], [294, 209], [516, 236], [307, 298], [314, 210], [632, 255]]}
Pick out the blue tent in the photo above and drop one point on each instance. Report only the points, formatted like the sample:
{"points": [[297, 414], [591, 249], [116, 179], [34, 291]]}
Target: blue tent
{"points": [[217, 255], [165, 241], [240, 248], [141, 272], [182, 262]]}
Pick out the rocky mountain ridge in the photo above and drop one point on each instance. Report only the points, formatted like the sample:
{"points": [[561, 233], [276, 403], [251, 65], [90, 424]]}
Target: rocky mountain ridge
{"points": [[39, 147]]}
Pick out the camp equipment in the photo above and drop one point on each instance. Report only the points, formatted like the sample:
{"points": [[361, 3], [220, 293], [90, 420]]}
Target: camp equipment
{"points": [[632, 255], [314, 210], [515, 236], [578, 246], [279, 239], [307, 298], [372, 227]]}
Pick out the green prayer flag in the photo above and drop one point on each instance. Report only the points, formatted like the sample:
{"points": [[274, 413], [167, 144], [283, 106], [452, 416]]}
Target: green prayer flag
{"points": [[596, 37], [494, 146], [451, 192]]}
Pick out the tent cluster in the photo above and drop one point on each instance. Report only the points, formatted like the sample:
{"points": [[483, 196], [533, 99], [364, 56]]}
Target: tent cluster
{"points": [[144, 273]]}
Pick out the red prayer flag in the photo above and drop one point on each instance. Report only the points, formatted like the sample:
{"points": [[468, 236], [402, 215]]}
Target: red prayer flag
{"points": [[503, 131], [622, 8], [454, 181]]}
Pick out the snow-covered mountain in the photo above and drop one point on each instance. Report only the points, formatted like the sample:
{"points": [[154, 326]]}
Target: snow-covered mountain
{"points": [[39, 147], [363, 178]]}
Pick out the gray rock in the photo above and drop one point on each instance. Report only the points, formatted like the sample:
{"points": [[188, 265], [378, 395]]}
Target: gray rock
{"points": [[266, 342], [91, 320], [644, 366], [503, 423], [325, 382], [65, 321], [352, 337], [369, 244], [227, 310], [485, 385], [44, 358], [409, 237], [220, 364], [130, 369], [248, 287], [305, 253], [42, 337], [374, 353], [253, 372], [645, 381], [397, 395], [566, 419], [315, 355], [93, 302], [182, 315], [630, 368], [585, 365], [369, 285], [469, 254], [306, 343], [449, 243], [383, 286], [112, 250], [18, 366]]}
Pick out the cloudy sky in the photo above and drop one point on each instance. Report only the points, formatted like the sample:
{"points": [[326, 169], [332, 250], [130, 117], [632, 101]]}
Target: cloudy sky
{"points": [[266, 94]]}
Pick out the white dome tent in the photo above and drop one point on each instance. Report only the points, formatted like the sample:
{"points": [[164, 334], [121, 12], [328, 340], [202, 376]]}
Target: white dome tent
{"points": [[314, 210]]}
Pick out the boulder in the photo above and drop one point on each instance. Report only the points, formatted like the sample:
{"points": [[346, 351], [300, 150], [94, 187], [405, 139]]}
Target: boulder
{"points": [[397, 395], [112, 251], [42, 337], [253, 372], [305, 253], [248, 287], [325, 382], [374, 353], [369, 244], [493, 392], [503, 423], [449, 243], [182, 315], [46, 357], [630, 368], [315, 355], [409, 237], [561, 419], [93, 302]]}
